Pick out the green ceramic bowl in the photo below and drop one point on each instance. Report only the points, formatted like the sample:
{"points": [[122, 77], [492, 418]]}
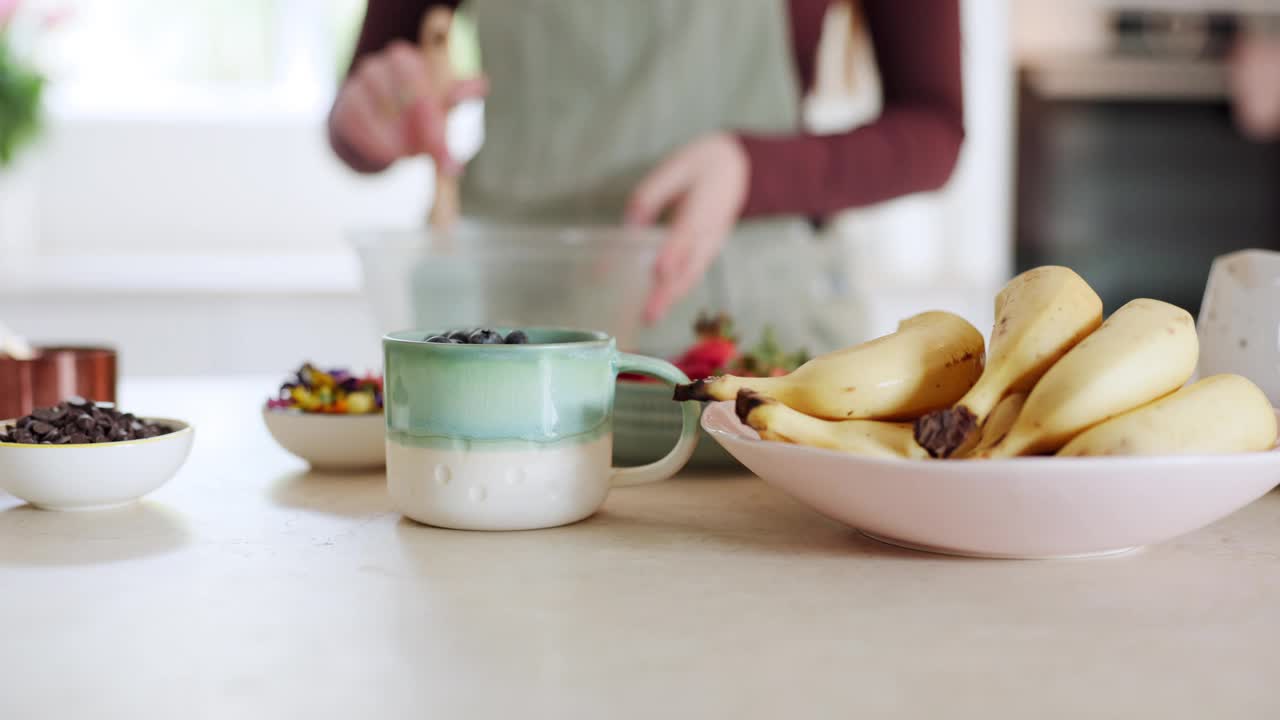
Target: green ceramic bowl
{"points": [[646, 424]]}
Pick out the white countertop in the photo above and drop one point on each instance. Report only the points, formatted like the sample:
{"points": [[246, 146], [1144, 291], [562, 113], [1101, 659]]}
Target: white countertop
{"points": [[248, 588]]}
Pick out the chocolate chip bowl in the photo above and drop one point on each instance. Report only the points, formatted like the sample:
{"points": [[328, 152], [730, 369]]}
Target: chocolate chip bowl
{"points": [[80, 455]]}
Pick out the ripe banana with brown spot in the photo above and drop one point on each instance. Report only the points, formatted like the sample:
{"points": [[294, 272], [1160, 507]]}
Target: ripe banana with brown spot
{"points": [[871, 438], [928, 363], [1219, 414], [1144, 351], [1040, 315]]}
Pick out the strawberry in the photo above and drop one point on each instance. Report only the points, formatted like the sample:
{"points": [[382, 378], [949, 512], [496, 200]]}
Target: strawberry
{"points": [[716, 353], [716, 348]]}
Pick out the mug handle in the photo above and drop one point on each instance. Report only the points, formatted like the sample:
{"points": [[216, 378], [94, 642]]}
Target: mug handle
{"points": [[675, 460]]}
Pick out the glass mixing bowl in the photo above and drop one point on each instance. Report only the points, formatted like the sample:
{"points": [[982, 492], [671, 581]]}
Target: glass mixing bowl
{"points": [[487, 274]]}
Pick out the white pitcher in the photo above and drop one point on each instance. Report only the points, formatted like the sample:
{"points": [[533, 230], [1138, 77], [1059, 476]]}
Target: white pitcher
{"points": [[1239, 321]]}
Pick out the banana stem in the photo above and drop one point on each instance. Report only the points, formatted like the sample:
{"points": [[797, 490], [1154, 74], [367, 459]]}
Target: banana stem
{"points": [[765, 415], [981, 399], [724, 387]]}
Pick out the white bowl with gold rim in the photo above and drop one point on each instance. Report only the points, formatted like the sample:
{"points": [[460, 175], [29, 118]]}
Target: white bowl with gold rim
{"points": [[93, 476]]}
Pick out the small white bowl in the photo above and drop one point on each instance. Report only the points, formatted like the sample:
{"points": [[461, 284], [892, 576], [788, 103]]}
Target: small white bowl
{"points": [[93, 476], [330, 441], [1036, 507]]}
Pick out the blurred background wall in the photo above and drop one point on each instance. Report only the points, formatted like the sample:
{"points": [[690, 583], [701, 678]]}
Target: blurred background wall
{"points": [[183, 203]]}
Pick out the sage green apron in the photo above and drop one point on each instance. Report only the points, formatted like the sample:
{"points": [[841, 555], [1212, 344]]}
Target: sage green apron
{"points": [[587, 96]]}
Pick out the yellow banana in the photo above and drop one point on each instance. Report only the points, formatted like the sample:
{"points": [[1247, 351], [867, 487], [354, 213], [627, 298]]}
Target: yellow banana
{"points": [[1040, 315], [1219, 414], [928, 363], [874, 438], [1144, 351], [997, 424]]}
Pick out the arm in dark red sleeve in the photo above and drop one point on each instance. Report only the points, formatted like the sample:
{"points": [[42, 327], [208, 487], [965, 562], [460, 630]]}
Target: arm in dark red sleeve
{"points": [[913, 145]]}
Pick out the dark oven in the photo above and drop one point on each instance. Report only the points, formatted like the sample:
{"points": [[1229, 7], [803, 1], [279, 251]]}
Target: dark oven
{"points": [[1130, 167]]}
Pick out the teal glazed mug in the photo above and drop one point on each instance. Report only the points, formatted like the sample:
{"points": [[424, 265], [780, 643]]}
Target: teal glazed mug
{"points": [[512, 437]]}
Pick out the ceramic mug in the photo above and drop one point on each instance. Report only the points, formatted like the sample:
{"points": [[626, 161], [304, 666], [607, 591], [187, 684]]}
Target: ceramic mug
{"points": [[1240, 319], [512, 437]]}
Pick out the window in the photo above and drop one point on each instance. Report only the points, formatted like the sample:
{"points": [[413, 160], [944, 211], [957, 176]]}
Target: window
{"points": [[166, 54], [152, 54], [196, 128]]}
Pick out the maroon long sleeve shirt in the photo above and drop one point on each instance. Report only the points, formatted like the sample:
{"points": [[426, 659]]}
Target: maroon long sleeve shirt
{"points": [[911, 147]]}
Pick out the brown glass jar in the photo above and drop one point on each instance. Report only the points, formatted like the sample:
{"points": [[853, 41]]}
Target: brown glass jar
{"points": [[53, 375]]}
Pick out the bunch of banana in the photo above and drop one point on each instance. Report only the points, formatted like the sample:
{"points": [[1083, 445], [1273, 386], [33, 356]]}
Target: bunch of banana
{"points": [[928, 363], [1057, 379], [1040, 315]]}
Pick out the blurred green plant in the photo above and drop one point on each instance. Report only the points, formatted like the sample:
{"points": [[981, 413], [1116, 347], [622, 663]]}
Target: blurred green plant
{"points": [[21, 88]]}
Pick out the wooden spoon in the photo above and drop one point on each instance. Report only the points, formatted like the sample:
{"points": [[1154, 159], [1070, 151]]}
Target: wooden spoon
{"points": [[433, 38]]}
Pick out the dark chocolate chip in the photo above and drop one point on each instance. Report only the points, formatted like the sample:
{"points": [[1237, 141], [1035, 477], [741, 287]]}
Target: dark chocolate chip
{"points": [[71, 423]]}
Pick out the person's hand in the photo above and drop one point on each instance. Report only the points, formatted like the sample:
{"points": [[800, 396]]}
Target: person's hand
{"points": [[1254, 73], [387, 109], [704, 183]]}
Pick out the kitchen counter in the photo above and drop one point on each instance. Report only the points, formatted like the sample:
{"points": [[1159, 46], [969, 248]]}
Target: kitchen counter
{"points": [[250, 588]]}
